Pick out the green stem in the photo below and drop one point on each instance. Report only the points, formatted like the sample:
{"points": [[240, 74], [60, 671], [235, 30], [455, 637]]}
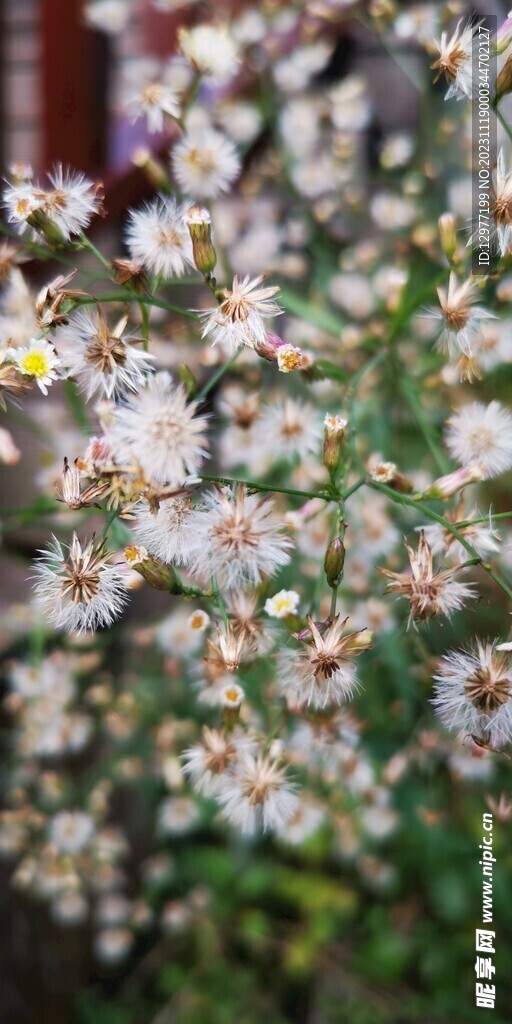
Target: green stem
{"points": [[266, 487], [355, 487], [108, 523], [506, 127], [404, 499], [148, 300], [144, 312], [210, 384], [489, 518], [410, 394], [87, 244]]}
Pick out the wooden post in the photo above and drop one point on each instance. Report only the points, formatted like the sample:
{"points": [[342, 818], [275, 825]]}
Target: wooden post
{"points": [[74, 82]]}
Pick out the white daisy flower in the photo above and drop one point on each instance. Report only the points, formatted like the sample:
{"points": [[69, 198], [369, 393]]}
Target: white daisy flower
{"points": [[158, 237], [455, 61], [172, 532], [239, 319], [473, 693], [100, 359], [242, 538], [481, 434], [78, 587], [257, 794], [205, 162], [39, 361], [210, 50], [159, 429], [285, 602], [147, 94], [199, 620]]}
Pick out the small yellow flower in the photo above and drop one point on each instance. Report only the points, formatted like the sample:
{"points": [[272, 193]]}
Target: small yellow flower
{"points": [[282, 604], [289, 358], [39, 361]]}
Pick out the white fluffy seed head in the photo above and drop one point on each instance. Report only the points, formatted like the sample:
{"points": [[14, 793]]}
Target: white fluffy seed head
{"points": [[473, 692], [158, 237], [159, 430], [481, 434], [78, 588]]}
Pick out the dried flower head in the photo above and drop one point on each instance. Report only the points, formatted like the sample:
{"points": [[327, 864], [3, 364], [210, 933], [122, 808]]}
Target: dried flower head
{"points": [[239, 319], [71, 493], [158, 238], [205, 162], [429, 593], [232, 648], [102, 359], [11, 382], [473, 693], [218, 752], [322, 674], [454, 61], [171, 531], [461, 318]]}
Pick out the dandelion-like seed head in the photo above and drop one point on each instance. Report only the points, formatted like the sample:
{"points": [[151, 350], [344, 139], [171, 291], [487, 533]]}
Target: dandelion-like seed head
{"points": [[243, 539], [159, 430], [79, 588], [322, 673], [258, 794], [481, 434], [102, 358], [239, 319], [473, 692]]}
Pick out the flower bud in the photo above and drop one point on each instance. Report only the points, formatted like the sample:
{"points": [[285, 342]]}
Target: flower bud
{"points": [[446, 486], [387, 473], [158, 575], [52, 233], [334, 434], [199, 225], [504, 81], [448, 235], [334, 562], [504, 34]]}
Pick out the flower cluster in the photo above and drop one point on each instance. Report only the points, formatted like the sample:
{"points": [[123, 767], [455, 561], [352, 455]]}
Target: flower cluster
{"points": [[229, 498]]}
